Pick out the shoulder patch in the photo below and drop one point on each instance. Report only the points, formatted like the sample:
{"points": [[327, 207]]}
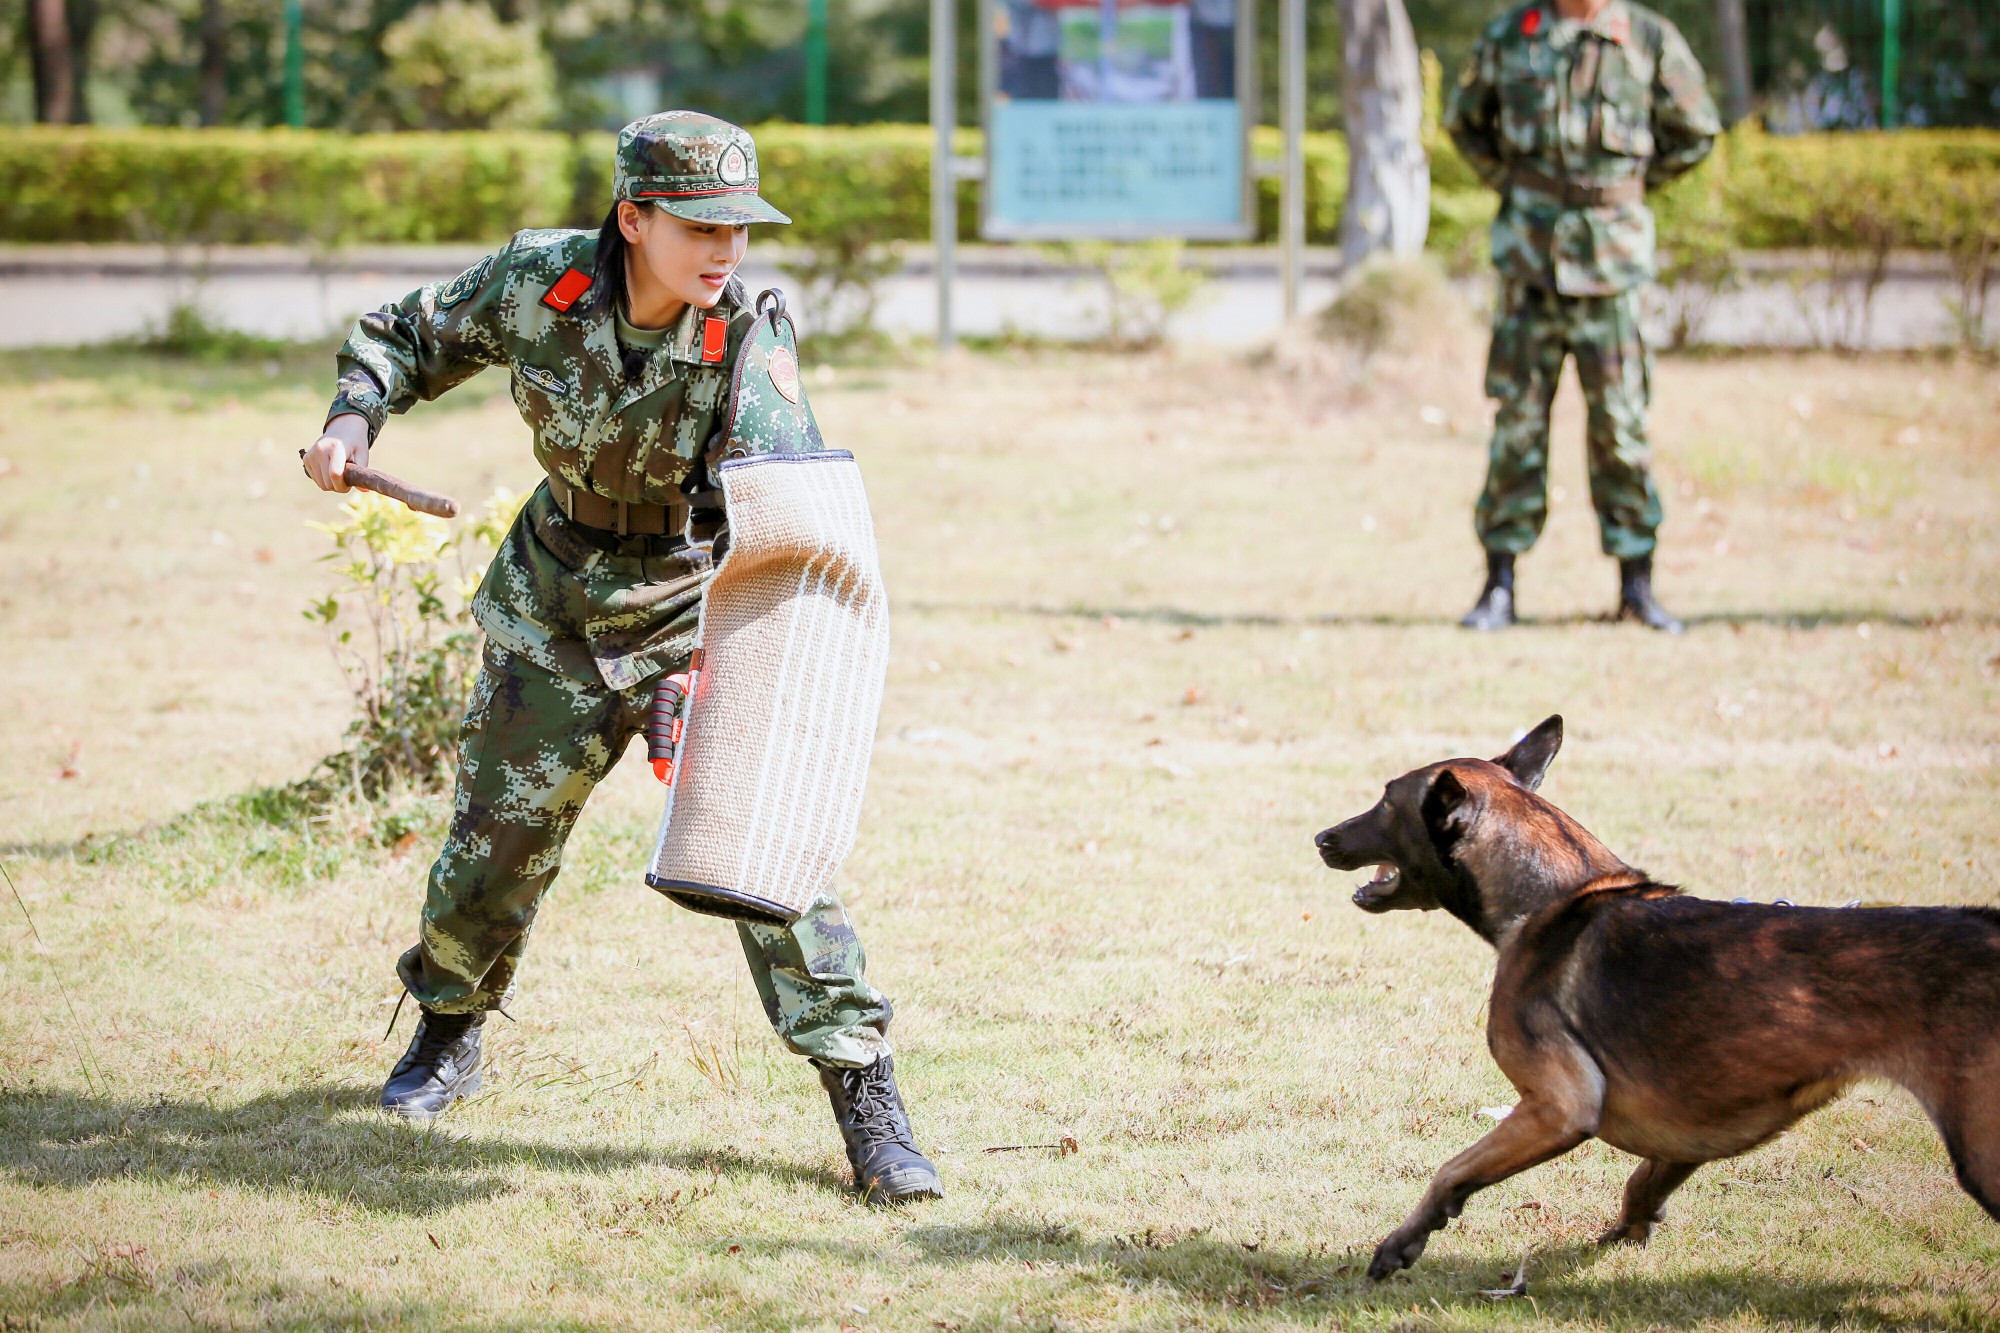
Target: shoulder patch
{"points": [[784, 368], [564, 293], [464, 285], [542, 238]]}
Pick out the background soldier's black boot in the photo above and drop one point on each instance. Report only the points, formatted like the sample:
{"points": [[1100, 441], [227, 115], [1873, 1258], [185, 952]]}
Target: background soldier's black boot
{"points": [[1495, 609], [441, 1066], [887, 1166], [1635, 596]]}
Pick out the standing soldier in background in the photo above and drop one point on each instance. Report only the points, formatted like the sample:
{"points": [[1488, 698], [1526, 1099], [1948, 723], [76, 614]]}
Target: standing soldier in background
{"points": [[1572, 109]]}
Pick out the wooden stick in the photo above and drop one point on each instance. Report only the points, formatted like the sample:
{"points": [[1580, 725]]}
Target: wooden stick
{"points": [[424, 502]]}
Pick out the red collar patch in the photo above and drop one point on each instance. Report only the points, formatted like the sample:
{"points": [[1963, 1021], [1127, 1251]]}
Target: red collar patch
{"points": [[714, 339], [1618, 29], [572, 284], [1531, 23]]}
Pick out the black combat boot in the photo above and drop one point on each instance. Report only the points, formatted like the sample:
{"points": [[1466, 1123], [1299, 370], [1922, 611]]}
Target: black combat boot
{"points": [[887, 1166], [1495, 608], [1635, 596], [441, 1066]]}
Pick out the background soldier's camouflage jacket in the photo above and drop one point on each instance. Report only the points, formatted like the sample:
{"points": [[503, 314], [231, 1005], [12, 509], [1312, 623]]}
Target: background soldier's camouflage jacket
{"points": [[1544, 100], [549, 596]]}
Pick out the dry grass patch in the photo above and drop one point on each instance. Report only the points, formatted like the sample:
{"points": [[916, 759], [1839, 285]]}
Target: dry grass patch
{"points": [[1158, 620]]}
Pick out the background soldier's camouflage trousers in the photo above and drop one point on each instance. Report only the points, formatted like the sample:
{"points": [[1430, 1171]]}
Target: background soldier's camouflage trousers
{"points": [[534, 745], [1534, 328]]}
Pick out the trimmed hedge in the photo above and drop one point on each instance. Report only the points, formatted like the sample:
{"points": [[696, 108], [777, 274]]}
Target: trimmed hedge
{"points": [[1911, 189], [290, 186], [1908, 189]]}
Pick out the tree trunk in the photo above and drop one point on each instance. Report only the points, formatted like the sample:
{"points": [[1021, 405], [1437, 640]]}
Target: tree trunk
{"points": [[1388, 206], [1733, 34], [52, 62], [214, 62], [83, 16]]}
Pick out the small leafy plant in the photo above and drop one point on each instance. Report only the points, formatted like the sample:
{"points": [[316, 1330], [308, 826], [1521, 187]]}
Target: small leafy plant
{"points": [[1146, 284], [402, 633]]}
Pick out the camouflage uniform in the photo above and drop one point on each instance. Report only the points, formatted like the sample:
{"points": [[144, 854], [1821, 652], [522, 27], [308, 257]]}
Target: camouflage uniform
{"points": [[578, 634], [1571, 122]]}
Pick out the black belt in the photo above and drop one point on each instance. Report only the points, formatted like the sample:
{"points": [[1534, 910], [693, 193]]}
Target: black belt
{"points": [[1578, 194]]}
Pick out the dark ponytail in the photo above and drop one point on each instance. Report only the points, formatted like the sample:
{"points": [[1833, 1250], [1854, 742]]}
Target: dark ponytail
{"points": [[607, 275]]}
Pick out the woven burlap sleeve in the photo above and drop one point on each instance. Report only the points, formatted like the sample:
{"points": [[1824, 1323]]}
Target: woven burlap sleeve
{"points": [[795, 647]]}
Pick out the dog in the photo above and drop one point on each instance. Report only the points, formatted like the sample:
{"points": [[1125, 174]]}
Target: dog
{"points": [[1676, 1028]]}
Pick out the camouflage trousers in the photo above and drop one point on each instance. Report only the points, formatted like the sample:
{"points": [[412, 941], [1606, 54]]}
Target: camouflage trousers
{"points": [[533, 746], [1534, 330]]}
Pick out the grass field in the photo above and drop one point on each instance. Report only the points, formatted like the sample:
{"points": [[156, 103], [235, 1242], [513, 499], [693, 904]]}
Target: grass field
{"points": [[1158, 620]]}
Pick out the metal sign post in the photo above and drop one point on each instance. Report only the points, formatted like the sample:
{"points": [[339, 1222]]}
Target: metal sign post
{"points": [[944, 184], [1292, 114]]}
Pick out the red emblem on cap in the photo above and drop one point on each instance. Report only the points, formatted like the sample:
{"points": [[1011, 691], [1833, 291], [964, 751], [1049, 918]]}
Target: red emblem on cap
{"points": [[568, 287], [1531, 22], [714, 339]]}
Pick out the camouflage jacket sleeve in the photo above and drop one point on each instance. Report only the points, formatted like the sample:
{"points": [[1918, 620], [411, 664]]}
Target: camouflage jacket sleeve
{"points": [[1685, 121], [439, 336], [1472, 115]]}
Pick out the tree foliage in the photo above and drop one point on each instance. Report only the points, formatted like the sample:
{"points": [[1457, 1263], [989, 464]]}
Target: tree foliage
{"points": [[743, 60], [457, 66]]}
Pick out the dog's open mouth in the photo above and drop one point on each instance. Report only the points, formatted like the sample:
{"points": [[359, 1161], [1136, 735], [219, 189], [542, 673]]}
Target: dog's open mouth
{"points": [[1376, 892]]}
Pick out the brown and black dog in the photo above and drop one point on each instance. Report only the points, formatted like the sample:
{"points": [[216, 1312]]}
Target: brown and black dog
{"points": [[1676, 1028]]}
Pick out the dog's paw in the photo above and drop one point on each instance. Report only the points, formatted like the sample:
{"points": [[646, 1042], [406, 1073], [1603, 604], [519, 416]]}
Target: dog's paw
{"points": [[1627, 1233], [1396, 1253]]}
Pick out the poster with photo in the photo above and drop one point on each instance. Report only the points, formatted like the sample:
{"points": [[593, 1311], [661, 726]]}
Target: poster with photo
{"points": [[1116, 119]]}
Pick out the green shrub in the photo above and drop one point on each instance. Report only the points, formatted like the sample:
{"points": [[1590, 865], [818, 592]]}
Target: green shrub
{"points": [[403, 634], [1847, 191], [1146, 284], [279, 186], [1326, 184], [1698, 252], [189, 334], [1920, 189], [1459, 219], [456, 66]]}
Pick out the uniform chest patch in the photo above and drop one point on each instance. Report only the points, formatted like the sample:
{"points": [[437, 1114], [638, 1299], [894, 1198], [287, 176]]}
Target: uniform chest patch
{"points": [[564, 293], [544, 381], [784, 368]]}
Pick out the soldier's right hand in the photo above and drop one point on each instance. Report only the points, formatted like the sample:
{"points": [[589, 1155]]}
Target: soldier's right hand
{"points": [[344, 441]]}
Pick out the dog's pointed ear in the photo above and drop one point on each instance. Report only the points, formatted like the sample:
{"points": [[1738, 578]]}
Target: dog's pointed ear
{"points": [[1531, 756], [1447, 808]]}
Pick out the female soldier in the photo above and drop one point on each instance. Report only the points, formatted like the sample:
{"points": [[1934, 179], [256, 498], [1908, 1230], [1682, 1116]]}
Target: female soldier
{"points": [[622, 345]]}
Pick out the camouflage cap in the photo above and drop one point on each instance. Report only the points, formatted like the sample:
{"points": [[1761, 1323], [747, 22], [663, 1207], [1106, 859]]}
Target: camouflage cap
{"points": [[693, 166]]}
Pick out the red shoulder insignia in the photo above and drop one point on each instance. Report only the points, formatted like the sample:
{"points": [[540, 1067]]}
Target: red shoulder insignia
{"points": [[714, 339], [1531, 22], [572, 284]]}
